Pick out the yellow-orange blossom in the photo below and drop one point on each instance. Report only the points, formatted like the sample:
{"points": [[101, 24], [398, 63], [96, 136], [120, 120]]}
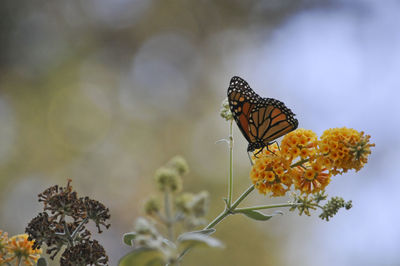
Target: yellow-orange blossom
{"points": [[18, 248], [308, 163]]}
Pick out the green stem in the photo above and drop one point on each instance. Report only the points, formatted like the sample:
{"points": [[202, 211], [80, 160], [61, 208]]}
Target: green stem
{"points": [[169, 222], [242, 197], [299, 163], [230, 210], [75, 233], [263, 207], [230, 181]]}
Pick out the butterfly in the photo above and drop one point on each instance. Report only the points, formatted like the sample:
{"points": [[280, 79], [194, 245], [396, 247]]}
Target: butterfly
{"points": [[261, 120]]}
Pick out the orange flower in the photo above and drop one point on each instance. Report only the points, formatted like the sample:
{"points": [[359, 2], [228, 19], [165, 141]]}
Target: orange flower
{"points": [[307, 162], [346, 149], [301, 142], [269, 172], [3, 247], [311, 181], [20, 247]]}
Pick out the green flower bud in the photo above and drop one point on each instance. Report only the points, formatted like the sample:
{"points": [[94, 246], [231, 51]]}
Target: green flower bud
{"points": [[179, 164], [225, 112], [348, 205], [152, 206], [168, 179], [332, 207]]}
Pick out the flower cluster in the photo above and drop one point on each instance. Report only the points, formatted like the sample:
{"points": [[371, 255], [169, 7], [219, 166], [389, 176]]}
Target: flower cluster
{"points": [[169, 177], [62, 223], [18, 248], [175, 211], [87, 252], [189, 208], [269, 172], [225, 112], [309, 163], [346, 149]]}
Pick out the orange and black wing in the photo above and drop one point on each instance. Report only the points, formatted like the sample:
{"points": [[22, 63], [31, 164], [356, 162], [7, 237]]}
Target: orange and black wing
{"points": [[242, 100], [269, 120]]}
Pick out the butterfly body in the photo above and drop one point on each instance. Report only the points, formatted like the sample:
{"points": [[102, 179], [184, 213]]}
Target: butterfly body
{"points": [[261, 120]]}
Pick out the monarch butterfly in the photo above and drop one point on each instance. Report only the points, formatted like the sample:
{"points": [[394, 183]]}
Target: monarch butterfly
{"points": [[261, 120]]}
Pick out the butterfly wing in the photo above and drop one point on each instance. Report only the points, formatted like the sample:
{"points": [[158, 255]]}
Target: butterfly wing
{"points": [[271, 119], [242, 100]]}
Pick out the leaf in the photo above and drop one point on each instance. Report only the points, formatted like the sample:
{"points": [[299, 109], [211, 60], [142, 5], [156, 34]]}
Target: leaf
{"points": [[208, 232], [129, 237], [192, 239], [143, 257], [256, 215], [41, 262]]}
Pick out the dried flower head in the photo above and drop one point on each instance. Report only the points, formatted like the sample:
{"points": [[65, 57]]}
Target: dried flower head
{"points": [[63, 224], [60, 201], [85, 253], [95, 211]]}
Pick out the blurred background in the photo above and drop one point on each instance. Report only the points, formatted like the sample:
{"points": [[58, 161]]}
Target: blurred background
{"points": [[105, 92]]}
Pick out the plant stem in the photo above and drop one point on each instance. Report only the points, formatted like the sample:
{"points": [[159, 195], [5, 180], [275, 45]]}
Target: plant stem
{"points": [[75, 233], [230, 210], [299, 163], [169, 222], [263, 207], [242, 197], [230, 181]]}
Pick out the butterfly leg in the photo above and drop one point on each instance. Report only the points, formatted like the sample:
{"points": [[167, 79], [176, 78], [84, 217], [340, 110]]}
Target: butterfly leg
{"points": [[277, 144], [255, 155], [269, 149]]}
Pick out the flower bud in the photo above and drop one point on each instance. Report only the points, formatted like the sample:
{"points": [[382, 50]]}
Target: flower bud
{"points": [[168, 179], [151, 206], [179, 164], [225, 112]]}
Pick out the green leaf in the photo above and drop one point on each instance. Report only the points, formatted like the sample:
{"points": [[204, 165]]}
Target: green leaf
{"points": [[256, 215], [143, 257], [192, 239], [129, 237], [41, 262], [208, 232]]}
